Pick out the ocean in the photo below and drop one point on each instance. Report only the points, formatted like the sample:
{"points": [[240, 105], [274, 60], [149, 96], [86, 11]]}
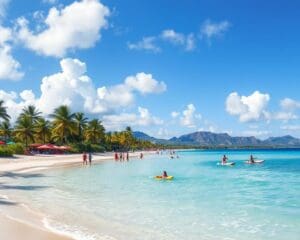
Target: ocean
{"points": [[204, 201]]}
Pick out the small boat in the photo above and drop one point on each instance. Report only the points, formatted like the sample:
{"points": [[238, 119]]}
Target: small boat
{"points": [[255, 162], [164, 178]]}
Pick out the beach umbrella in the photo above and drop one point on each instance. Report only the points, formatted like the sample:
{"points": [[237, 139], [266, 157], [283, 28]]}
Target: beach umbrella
{"points": [[2, 143], [34, 145], [47, 147], [10, 143], [64, 148]]}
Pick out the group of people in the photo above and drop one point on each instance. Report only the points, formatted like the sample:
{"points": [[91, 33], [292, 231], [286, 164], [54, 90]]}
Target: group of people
{"points": [[86, 157], [225, 158], [121, 156]]}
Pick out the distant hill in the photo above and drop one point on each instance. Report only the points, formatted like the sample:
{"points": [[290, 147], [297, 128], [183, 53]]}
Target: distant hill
{"points": [[146, 137], [283, 141], [210, 139]]}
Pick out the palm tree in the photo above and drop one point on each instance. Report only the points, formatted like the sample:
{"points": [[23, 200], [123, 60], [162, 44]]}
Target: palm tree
{"points": [[5, 130], [94, 131], [81, 122], [3, 112], [24, 129], [32, 112], [129, 137], [42, 129], [63, 123]]}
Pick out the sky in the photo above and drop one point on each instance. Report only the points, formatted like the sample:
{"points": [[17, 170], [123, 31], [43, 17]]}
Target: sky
{"points": [[163, 67]]}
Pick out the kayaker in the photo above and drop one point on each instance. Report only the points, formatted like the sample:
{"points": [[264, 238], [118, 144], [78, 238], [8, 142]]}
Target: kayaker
{"points": [[224, 159], [164, 175]]}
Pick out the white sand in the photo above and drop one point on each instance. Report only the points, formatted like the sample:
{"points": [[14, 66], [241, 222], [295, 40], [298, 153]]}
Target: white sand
{"points": [[16, 222]]}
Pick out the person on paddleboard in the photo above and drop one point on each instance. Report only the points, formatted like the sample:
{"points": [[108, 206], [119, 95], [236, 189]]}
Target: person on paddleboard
{"points": [[224, 159], [251, 159]]}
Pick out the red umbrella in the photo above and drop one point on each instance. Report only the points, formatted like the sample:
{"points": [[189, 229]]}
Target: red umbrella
{"points": [[64, 148], [47, 147], [2, 143]]}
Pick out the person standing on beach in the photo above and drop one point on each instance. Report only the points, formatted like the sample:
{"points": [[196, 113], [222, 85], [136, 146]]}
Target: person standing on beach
{"points": [[84, 158], [90, 158], [141, 156], [127, 156]]}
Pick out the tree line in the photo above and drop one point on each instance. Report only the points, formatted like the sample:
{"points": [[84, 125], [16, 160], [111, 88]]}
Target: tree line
{"points": [[63, 127]]}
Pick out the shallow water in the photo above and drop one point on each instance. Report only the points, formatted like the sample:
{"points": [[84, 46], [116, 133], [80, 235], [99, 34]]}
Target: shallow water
{"points": [[116, 200]]}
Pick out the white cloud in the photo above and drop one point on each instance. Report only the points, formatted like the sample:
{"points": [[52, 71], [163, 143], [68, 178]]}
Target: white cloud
{"points": [[175, 114], [189, 116], [147, 43], [208, 129], [188, 41], [77, 26], [248, 108], [256, 133], [3, 6], [291, 127], [9, 67], [173, 37], [145, 83], [50, 1], [16, 102], [163, 133], [168, 35], [289, 104], [142, 119], [214, 29], [284, 116], [74, 88]]}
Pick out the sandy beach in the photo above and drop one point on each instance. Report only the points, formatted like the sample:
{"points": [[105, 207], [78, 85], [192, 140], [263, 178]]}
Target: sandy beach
{"points": [[18, 221]]}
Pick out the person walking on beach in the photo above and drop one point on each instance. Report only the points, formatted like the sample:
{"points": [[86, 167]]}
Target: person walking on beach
{"points": [[90, 158], [127, 156], [141, 156], [116, 156], [84, 158]]}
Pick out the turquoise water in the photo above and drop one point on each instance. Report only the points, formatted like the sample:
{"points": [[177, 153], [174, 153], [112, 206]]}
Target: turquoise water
{"points": [[116, 200]]}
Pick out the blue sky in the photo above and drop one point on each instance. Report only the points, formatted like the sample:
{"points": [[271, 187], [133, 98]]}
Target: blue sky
{"points": [[163, 67]]}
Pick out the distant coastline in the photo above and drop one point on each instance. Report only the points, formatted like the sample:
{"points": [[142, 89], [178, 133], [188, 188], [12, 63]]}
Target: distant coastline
{"points": [[209, 140]]}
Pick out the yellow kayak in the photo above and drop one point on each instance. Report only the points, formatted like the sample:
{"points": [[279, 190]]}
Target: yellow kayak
{"points": [[164, 178]]}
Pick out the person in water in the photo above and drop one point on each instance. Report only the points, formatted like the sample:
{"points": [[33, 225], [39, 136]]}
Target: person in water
{"points": [[224, 159], [84, 158], [90, 158], [164, 175], [251, 159]]}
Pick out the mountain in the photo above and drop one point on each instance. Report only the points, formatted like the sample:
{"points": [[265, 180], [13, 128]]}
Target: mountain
{"points": [[221, 139], [283, 141], [146, 137], [215, 139]]}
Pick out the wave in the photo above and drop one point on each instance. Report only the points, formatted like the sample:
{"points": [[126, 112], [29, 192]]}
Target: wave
{"points": [[72, 231]]}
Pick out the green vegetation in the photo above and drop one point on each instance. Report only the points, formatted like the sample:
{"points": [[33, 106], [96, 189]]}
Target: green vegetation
{"points": [[62, 128]]}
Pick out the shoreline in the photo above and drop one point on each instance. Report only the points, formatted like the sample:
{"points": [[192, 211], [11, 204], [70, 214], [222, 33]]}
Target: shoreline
{"points": [[19, 221]]}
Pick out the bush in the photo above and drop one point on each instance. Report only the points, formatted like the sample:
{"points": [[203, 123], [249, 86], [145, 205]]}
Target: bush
{"points": [[5, 152], [97, 148], [17, 148], [86, 147]]}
